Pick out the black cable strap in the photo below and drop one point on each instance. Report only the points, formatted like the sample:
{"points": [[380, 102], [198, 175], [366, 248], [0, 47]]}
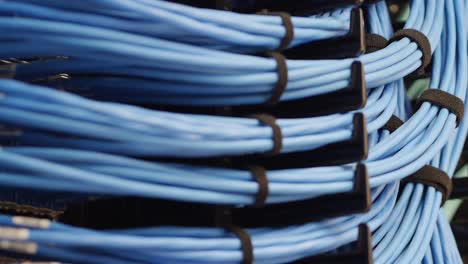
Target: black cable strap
{"points": [[375, 42], [282, 72], [393, 124], [288, 27], [445, 100], [434, 177], [246, 244], [423, 44], [277, 137], [259, 175]]}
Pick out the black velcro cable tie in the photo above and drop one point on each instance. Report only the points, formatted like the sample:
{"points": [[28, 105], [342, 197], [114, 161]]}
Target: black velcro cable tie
{"points": [[277, 137], [375, 42], [423, 44], [288, 27], [259, 175], [246, 243], [282, 82], [445, 100], [434, 177], [393, 124]]}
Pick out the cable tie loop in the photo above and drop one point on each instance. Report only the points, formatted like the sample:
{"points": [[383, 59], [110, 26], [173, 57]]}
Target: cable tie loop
{"points": [[423, 44], [277, 137], [375, 42], [393, 124], [434, 177], [259, 175], [246, 243], [288, 27], [445, 100], [282, 82]]}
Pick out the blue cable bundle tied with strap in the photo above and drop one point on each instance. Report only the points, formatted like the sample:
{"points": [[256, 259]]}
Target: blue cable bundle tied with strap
{"points": [[150, 131]]}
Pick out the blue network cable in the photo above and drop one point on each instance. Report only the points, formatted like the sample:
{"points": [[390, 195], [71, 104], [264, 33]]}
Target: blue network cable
{"points": [[188, 75], [408, 246], [201, 27], [98, 166], [383, 170], [343, 233], [176, 245], [407, 229], [129, 130]]}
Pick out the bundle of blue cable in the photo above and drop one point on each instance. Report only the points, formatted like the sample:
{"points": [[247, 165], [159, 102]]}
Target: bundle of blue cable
{"points": [[88, 135]]}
